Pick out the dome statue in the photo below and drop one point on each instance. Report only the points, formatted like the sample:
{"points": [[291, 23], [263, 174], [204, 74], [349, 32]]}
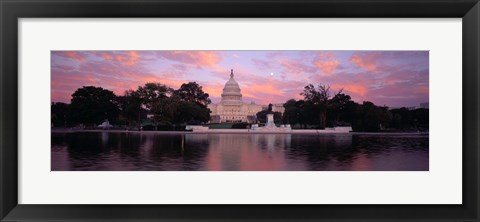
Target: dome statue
{"points": [[231, 109], [231, 91]]}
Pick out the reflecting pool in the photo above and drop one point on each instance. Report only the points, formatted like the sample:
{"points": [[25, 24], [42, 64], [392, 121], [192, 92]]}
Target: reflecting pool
{"points": [[146, 151]]}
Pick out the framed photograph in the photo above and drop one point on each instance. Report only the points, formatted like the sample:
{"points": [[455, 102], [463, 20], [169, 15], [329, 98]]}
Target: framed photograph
{"points": [[227, 110]]}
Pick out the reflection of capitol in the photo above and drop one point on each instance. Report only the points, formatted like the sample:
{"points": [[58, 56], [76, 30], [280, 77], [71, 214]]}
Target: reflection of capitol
{"points": [[232, 109], [243, 151], [268, 151]]}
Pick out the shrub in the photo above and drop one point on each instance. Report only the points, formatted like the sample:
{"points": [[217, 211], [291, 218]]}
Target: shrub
{"points": [[240, 126]]}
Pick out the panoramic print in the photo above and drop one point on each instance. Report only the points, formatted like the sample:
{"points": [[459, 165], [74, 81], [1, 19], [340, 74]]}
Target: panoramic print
{"points": [[239, 110]]}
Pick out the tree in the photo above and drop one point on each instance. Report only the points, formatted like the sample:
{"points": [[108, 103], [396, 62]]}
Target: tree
{"points": [[59, 112], [155, 98], [193, 103], [291, 113], [262, 116], [421, 116], [277, 117], [309, 114], [371, 117], [402, 118], [341, 109], [191, 113], [188, 104], [91, 105], [164, 110], [151, 93], [192, 92], [318, 96], [131, 107]]}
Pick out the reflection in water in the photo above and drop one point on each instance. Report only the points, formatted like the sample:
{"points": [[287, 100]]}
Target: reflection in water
{"points": [[175, 152]]}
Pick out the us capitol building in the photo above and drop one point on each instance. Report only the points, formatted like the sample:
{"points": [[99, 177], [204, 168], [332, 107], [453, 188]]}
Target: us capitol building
{"points": [[231, 108]]}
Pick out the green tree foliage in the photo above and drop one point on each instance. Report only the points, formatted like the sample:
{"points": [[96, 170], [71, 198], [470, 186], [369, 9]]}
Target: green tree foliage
{"points": [[192, 92], [153, 93], [191, 113], [188, 104], [91, 105], [164, 109], [156, 99], [192, 104]]}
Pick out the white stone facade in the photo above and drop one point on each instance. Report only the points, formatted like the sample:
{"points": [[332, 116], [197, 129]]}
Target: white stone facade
{"points": [[231, 108]]}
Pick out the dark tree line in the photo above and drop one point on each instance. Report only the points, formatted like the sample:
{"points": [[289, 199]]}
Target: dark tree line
{"points": [[162, 105], [319, 109]]}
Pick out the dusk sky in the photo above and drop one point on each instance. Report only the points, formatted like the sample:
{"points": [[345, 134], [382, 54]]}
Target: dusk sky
{"points": [[391, 78]]}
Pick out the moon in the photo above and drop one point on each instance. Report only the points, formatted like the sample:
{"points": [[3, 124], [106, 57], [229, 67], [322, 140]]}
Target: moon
{"points": [[271, 73]]}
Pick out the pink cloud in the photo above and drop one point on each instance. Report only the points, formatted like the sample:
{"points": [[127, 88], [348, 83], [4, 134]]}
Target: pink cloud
{"points": [[295, 67], [126, 57], [261, 64], [413, 92], [326, 62], [357, 89], [367, 61], [275, 54], [394, 86], [213, 90], [422, 89], [60, 96], [74, 55], [265, 90], [358, 85], [261, 89], [122, 74], [197, 59], [64, 67], [107, 56], [358, 73], [271, 89]]}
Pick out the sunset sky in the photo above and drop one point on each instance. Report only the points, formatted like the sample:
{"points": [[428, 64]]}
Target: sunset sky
{"points": [[391, 78]]}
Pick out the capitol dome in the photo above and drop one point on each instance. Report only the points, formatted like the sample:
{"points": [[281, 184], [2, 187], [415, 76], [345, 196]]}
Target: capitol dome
{"points": [[231, 91], [231, 109]]}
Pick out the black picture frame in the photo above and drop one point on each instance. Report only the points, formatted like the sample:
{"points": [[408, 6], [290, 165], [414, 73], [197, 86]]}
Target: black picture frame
{"points": [[12, 10]]}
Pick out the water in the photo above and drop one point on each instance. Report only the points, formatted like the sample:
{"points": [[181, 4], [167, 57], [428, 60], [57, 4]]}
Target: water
{"points": [[134, 151]]}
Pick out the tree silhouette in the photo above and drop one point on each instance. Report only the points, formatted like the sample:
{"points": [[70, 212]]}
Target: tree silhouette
{"points": [[192, 92], [91, 105], [59, 114], [318, 96], [131, 107]]}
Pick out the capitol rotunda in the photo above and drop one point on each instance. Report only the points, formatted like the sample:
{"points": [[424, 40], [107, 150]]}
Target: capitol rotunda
{"points": [[231, 108]]}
